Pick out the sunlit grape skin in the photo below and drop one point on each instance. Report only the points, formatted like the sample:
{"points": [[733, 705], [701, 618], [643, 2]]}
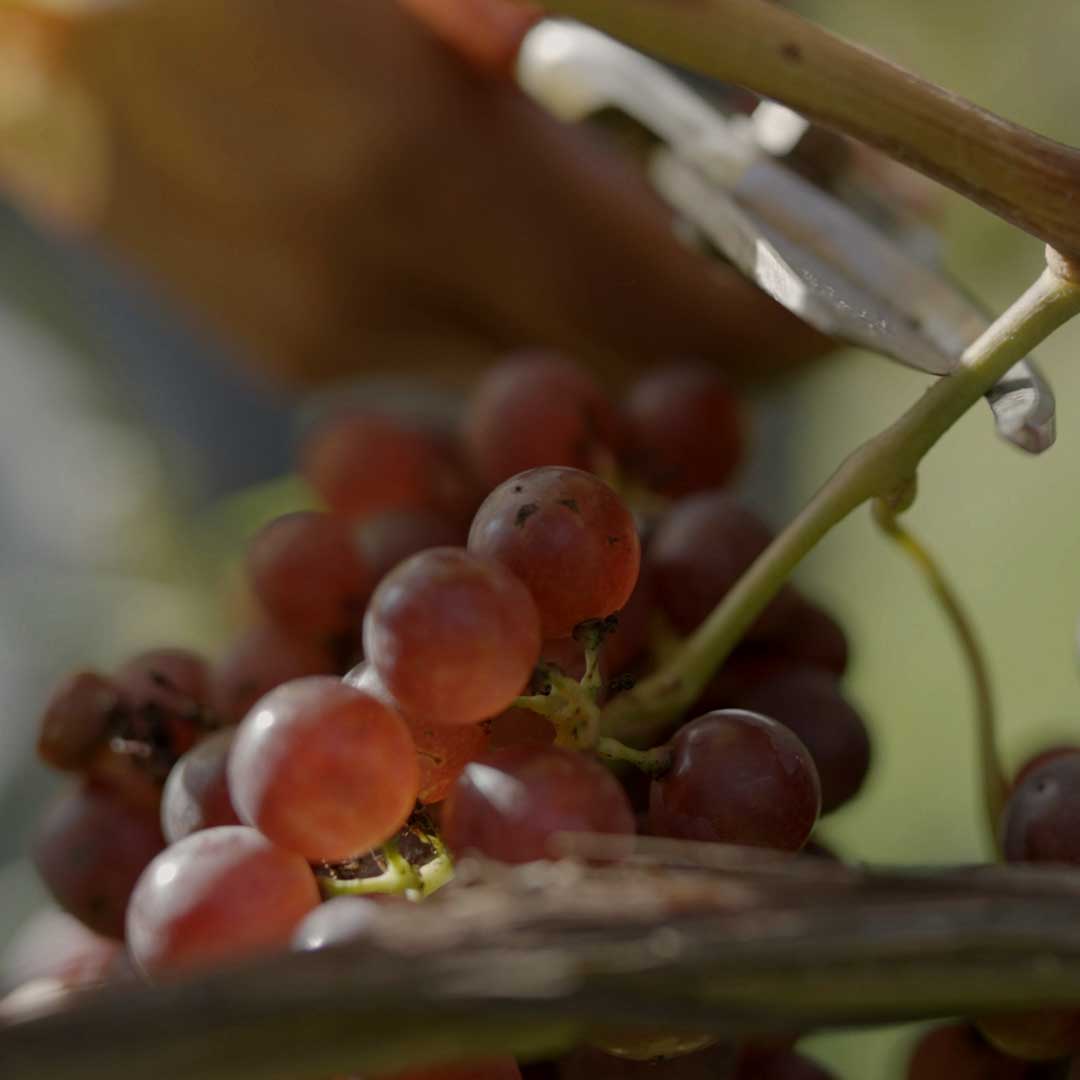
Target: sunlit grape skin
{"points": [[196, 794], [569, 537], [684, 430], [1041, 820], [218, 895], [538, 408], [90, 849], [508, 804], [453, 636], [737, 778], [323, 769], [308, 571]]}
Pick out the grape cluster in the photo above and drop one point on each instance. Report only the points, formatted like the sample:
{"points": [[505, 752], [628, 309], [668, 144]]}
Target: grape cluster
{"points": [[425, 679]]}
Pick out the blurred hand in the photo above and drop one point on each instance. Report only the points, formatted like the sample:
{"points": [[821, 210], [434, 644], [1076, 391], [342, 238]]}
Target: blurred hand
{"points": [[331, 184]]}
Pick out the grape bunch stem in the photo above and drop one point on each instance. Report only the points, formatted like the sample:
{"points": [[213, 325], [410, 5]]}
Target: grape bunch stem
{"points": [[885, 464]]}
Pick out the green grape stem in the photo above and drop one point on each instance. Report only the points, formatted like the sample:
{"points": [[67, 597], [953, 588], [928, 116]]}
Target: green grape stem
{"points": [[880, 467], [994, 783]]}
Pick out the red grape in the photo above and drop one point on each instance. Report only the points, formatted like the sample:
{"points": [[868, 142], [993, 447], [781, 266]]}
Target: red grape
{"points": [[539, 408], [323, 769], [959, 1052], [520, 726], [366, 463], [737, 778], [264, 657], [1040, 759], [390, 539], [1041, 821], [90, 849], [685, 430], [217, 895], [508, 804], [808, 701], [698, 552], [810, 635], [196, 794], [630, 639], [453, 637], [308, 572], [569, 537], [75, 723]]}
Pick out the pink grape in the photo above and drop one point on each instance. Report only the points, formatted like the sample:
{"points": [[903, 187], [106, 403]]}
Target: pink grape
{"points": [[75, 722], [323, 769], [508, 804], [217, 895], [539, 408], [569, 537], [309, 573], [453, 637]]}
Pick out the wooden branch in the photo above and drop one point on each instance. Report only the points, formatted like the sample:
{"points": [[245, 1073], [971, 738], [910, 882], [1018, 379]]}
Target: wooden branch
{"points": [[530, 961], [1022, 177]]}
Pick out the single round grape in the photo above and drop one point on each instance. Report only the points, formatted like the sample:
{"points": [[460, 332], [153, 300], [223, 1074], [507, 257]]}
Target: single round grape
{"points": [[685, 430], [539, 408], [75, 722], [1033, 1036], [264, 657], [699, 550], [367, 463], [959, 1052], [217, 895], [323, 769], [309, 573], [454, 637], [390, 539], [809, 702], [1041, 820], [569, 537], [196, 794], [737, 778], [340, 921], [508, 804], [784, 1066], [90, 849]]}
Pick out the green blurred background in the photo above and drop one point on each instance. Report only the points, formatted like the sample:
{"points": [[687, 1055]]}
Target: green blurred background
{"points": [[112, 538]]}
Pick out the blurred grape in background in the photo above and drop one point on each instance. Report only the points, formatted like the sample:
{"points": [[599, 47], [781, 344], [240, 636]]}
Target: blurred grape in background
{"points": [[134, 455]]}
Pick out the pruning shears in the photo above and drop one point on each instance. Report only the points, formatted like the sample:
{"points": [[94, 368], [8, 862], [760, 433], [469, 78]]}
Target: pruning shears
{"points": [[725, 177]]}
